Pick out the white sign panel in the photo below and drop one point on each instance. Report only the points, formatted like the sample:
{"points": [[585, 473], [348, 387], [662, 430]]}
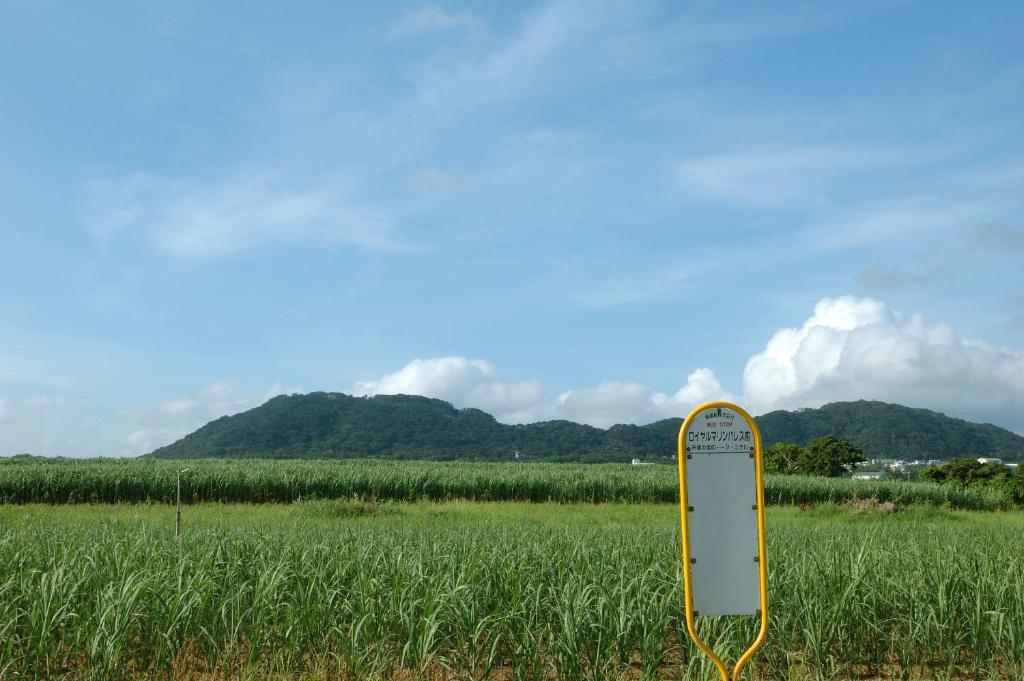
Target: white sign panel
{"points": [[722, 517]]}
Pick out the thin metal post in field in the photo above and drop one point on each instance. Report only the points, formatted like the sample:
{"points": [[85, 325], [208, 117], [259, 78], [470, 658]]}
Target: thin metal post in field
{"points": [[177, 512]]}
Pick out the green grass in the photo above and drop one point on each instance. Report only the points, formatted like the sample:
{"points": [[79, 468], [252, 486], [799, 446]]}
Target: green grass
{"points": [[267, 481], [381, 589]]}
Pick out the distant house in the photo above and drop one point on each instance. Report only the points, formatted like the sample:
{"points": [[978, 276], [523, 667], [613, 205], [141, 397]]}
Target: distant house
{"points": [[988, 459], [638, 462], [869, 475]]}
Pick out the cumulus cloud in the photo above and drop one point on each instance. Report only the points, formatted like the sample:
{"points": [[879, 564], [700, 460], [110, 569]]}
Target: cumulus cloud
{"points": [[610, 402], [849, 349], [856, 348], [476, 383], [459, 380], [701, 386]]}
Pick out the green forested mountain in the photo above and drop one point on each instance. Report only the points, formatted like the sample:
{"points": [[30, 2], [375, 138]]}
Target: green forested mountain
{"points": [[410, 427], [893, 431], [394, 426]]}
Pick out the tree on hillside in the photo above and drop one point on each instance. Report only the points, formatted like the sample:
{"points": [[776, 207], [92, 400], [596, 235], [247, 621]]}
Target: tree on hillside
{"points": [[829, 456], [783, 457], [971, 473], [964, 472]]}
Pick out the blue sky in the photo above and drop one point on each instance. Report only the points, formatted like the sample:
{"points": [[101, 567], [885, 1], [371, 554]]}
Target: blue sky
{"points": [[602, 211]]}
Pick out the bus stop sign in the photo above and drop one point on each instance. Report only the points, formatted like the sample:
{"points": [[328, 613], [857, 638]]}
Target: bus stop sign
{"points": [[721, 495]]}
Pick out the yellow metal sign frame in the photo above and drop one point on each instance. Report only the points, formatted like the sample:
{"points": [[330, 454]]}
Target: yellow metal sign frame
{"points": [[762, 551]]}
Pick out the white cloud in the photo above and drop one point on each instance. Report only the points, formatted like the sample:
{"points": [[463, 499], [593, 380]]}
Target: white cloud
{"points": [[934, 227], [45, 425], [459, 380], [475, 383], [921, 220], [514, 65], [776, 176], [605, 404], [610, 402], [150, 427], [432, 18], [856, 348], [243, 212], [701, 386], [794, 174], [849, 349]]}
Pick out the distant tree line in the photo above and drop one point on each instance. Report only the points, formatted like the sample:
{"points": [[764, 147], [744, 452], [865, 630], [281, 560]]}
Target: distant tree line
{"points": [[829, 456], [336, 425], [892, 431], [970, 473]]}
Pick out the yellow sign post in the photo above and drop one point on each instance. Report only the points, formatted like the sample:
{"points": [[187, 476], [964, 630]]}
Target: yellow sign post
{"points": [[721, 499]]}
